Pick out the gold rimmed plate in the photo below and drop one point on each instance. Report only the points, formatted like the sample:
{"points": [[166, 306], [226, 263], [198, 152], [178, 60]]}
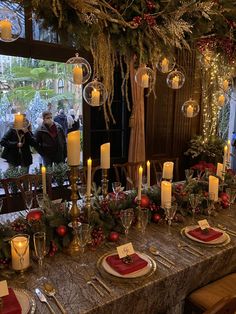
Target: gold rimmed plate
{"points": [[223, 240], [26, 300], [107, 271]]}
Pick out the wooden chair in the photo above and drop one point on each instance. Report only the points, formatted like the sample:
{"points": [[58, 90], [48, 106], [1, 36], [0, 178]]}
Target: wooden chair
{"points": [[82, 174], [212, 295], [226, 305], [15, 188], [127, 173], [157, 166]]}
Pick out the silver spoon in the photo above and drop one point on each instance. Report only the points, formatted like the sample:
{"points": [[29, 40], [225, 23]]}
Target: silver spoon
{"points": [[50, 291], [154, 251]]}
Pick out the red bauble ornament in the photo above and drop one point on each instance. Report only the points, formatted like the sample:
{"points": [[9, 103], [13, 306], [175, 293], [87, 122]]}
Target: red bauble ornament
{"points": [[35, 215], [156, 217], [61, 230], [145, 201], [114, 236]]}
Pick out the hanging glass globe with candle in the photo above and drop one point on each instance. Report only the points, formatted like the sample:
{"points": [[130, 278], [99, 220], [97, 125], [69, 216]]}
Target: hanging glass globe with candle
{"points": [[145, 77], [10, 25], [165, 63], [190, 108], [78, 70], [95, 93], [175, 79]]}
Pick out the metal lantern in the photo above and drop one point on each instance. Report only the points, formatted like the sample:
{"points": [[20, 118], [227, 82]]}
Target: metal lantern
{"points": [[145, 77], [95, 93], [165, 63], [78, 70], [190, 108], [175, 79], [10, 26]]}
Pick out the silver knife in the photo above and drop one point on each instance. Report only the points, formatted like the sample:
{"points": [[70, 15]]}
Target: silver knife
{"points": [[43, 299], [164, 264], [102, 284]]}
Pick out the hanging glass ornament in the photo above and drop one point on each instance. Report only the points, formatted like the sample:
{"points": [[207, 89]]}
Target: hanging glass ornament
{"points": [[78, 70], [175, 79], [190, 108], [165, 63], [10, 25], [95, 93], [145, 77]]}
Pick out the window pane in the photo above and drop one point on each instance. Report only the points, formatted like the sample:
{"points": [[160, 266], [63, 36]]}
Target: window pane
{"points": [[43, 34]]}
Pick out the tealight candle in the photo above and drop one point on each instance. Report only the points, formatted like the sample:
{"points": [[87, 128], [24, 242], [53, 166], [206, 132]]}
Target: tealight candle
{"points": [[145, 81], [190, 111], [175, 82], [73, 148], [20, 252], [165, 193], [105, 156], [6, 30], [43, 171], [95, 99], [167, 172], [165, 65], [78, 74]]}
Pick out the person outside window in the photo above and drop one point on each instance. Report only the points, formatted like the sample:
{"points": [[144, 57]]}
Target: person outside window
{"points": [[51, 141], [61, 118]]}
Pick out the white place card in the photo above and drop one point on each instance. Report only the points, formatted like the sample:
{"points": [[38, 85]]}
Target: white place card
{"points": [[203, 224], [3, 288], [125, 250]]}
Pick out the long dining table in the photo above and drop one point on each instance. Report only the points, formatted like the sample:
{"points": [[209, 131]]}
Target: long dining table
{"points": [[164, 291]]}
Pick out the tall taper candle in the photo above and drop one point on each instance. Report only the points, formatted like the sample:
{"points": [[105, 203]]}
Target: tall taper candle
{"points": [[140, 175], [73, 148], [225, 157], [219, 170], [43, 171], [105, 156], [148, 174], [228, 152], [89, 171]]}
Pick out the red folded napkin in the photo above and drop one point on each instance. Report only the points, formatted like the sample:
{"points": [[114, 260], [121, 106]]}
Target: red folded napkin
{"points": [[118, 265], [207, 236], [10, 304]]}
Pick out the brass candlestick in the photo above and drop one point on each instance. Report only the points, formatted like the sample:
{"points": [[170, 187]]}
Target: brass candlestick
{"points": [[74, 246], [88, 207], [138, 224], [104, 183]]}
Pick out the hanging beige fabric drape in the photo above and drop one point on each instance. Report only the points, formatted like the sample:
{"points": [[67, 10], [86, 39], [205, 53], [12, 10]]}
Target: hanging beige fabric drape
{"points": [[137, 132]]}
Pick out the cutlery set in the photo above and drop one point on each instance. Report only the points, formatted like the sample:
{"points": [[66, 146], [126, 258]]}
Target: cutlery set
{"points": [[229, 231], [164, 260], [43, 299], [94, 279], [190, 249]]}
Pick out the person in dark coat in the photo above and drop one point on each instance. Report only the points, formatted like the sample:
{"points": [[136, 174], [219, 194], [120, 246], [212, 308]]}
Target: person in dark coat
{"points": [[16, 143], [51, 141], [74, 124], [61, 118]]}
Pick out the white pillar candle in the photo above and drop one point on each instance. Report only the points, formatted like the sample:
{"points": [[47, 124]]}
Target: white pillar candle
{"points": [[20, 252], [145, 81], [225, 85], [95, 99], [140, 175], [6, 30], [189, 111], [89, 172], [78, 74], [19, 121], [225, 157], [228, 152], [165, 65], [214, 187], [148, 174], [219, 170], [221, 100], [165, 193], [175, 82], [73, 148], [105, 156], [44, 182], [167, 172]]}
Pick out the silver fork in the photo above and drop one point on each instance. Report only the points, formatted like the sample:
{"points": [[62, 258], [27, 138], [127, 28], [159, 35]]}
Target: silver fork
{"points": [[192, 248], [185, 247], [102, 283], [89, 282]]}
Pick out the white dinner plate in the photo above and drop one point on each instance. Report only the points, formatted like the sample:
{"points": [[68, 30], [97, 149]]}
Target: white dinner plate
{"points": [[139, 273], [219, 240], [26, 300]]}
